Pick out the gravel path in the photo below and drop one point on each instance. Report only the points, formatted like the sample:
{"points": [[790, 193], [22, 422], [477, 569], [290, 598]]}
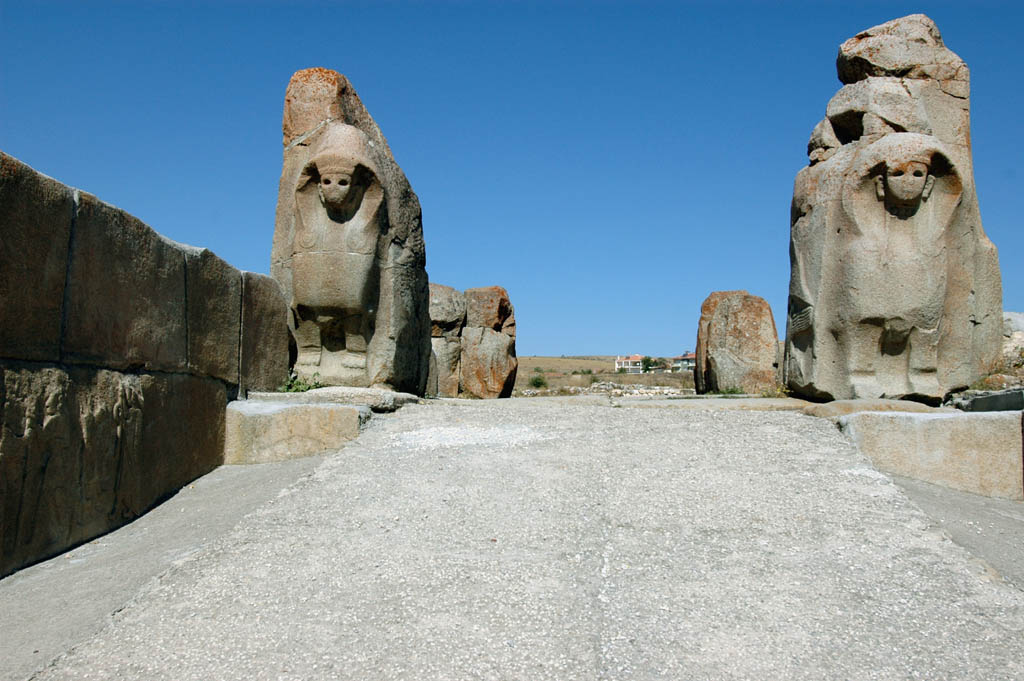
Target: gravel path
{"points": [[526, 539]]}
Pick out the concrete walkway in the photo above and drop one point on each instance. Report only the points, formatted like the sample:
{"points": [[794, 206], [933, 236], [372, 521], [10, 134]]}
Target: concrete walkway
{"points": [[534, 539]]}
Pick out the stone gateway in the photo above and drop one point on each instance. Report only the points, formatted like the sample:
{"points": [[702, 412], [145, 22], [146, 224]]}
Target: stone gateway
{"points": [[348, 244], [894, 288]]}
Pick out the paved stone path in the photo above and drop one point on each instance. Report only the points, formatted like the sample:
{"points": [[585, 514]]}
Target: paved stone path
{"points": [[532, 539]]}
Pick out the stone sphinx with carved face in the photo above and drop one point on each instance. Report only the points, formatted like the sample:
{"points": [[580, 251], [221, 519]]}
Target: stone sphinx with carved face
{"points": [[893, 267], [335, 270], [894, 289]]}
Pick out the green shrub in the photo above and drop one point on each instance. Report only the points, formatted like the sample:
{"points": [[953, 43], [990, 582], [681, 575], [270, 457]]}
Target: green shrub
{"points": [[297, 384], [538, 370], [538, 382]]}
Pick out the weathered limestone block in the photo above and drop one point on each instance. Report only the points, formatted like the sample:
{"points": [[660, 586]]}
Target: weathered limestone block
{"points": [[377, 399], [264, 431], [83, 451], [1013, 337], [490, 308], [214, 298], [126, 293], [264, 338], [909, 47], [737, 344], [488, 362], [431, 390], [895, 290], [978, 453], [36, 214], [447, 353], [474, 342], [447, 311], [348, 243], [837, 408]]}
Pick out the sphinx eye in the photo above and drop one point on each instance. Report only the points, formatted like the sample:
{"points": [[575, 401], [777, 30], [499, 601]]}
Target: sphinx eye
{"points": [[343, 183], [897, 173], [326, 181], [918, 173]]}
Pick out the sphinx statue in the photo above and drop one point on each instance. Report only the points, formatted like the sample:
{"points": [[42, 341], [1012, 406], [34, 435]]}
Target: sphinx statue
{"points": [[348, 244], [894, 287]]}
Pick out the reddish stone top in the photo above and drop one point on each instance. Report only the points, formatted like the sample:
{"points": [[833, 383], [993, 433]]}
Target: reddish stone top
{"points": [[490, 307], [313, 96]]}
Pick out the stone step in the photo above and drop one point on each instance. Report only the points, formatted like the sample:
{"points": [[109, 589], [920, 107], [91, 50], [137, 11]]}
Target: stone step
{"points": [[263, 431], [979, 453], [377, 399]]}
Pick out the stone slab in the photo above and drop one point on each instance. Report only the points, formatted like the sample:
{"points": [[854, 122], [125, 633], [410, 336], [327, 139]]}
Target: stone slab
{"points": [[83, 451], [36, 214], [264, 340], [523, 539], [977, 453], [213, 296], [1006, 400], [88, 583], [377, 399], [991, 529], [714, 403], [126, 293], [260, 431], [837, 408]]}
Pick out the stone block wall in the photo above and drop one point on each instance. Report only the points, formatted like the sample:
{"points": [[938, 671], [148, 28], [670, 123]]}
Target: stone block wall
{"points": [[119, 350]]}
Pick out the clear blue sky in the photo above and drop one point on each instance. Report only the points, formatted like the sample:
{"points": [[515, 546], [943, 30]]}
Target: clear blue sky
{"points": [[609, 163]]}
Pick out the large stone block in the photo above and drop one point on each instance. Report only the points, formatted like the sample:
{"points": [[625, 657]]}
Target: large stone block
{"points": [[126, 293], [214, 299], [348, 243], [737, 344], [978, 453], [910, 47], [447, 311], [377, 399], [266, 431], [264, 352], [490, 308], [36, 214], [895, 290], [837, 408], [488, 363], [447, 355], [83, 451]]}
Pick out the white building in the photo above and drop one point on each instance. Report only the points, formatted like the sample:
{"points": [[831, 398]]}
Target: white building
{"points": [[684, 362], [633, 364]]}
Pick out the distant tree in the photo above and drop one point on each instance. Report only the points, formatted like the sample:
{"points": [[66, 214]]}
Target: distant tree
{"points": [[648, 363]]}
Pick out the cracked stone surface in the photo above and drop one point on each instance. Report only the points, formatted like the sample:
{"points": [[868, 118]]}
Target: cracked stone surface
{"points": [[534, 539]]}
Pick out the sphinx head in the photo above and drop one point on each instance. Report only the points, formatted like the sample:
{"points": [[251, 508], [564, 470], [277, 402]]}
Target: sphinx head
{"points": [[906, 181], [335, 182]]}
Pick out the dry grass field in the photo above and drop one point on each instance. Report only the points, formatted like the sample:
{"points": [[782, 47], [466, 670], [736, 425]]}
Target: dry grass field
{"points": [[558, 372], [567, 365]]}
